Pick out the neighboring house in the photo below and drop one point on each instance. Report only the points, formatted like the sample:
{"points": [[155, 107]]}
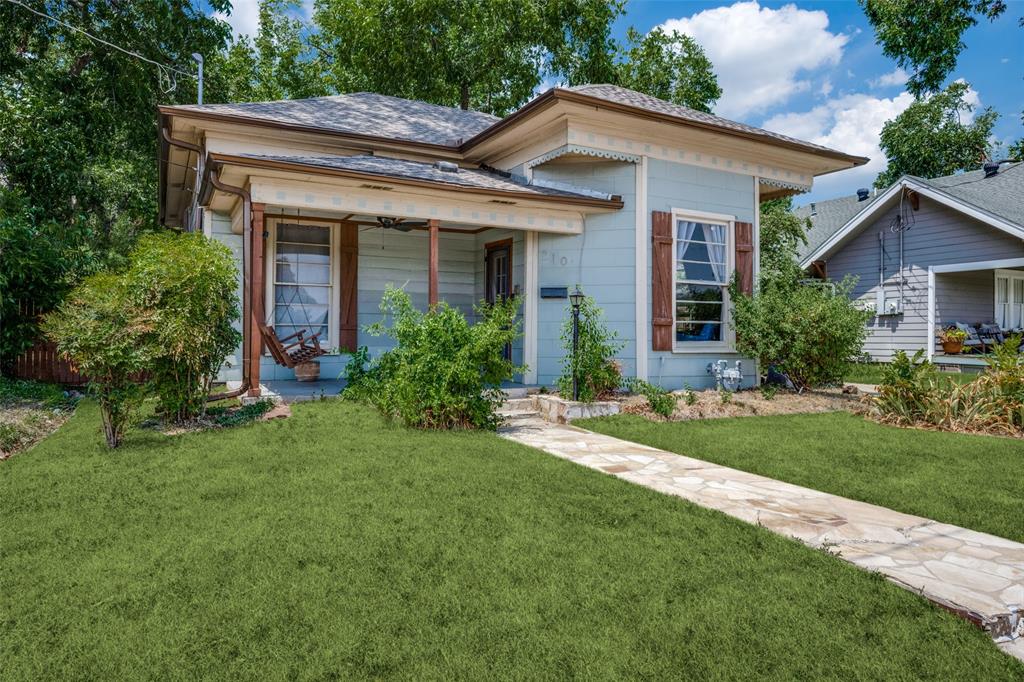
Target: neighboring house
{"points": [[650, 207], [927, 254]]}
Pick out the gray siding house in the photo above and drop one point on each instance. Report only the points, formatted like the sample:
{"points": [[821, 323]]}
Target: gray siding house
{"points": [[927, 254], [650, 207]]}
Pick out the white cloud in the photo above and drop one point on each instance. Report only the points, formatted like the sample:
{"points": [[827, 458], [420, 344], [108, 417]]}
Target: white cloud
{"points": [[896, 77], [852, 124], [244, 17], [761, 55], [826, 87]]}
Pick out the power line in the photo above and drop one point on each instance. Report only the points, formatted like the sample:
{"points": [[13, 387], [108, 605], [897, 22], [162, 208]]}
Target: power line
{"points": [[101, 40]]}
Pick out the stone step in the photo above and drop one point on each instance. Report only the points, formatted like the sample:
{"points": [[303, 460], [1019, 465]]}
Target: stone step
{"points": [[518, 415], [513, 404], [515, 392]]}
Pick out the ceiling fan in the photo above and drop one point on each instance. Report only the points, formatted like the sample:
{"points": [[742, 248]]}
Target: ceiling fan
{"points": [[399, 224]]}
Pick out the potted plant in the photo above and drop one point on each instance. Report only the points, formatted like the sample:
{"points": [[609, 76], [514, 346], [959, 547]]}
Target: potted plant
{"points": [[307, 371], [952, 340]]}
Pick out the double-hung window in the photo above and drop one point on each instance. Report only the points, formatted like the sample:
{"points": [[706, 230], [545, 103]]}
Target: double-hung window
{"points": [[703, 268], [304, 286]]}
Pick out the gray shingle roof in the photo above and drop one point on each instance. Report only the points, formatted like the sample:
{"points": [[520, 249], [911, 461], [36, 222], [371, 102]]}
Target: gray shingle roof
{"points": [[465, 177], [365, 113], [829, 217], [1001, 196], [620, 95]]}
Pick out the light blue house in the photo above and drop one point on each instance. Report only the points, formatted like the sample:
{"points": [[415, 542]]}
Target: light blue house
{"points": [[650, 207]]}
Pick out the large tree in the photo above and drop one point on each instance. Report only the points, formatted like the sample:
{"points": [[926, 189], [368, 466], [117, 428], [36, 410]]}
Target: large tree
{"points": [[930, 138], [926, 36], [278, 63], [78, 139], [672, 66], [493, 55]]}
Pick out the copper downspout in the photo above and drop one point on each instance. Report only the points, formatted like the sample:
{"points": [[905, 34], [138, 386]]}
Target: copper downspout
{"points": [[247, 302]]}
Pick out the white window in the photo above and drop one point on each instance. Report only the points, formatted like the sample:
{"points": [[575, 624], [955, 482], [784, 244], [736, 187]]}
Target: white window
{"points": [[304, 287], [1010, 299], [703, 270]]}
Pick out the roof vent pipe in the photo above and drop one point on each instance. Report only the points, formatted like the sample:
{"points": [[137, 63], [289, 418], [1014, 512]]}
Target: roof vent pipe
{"points": [[446, 166], [991, 168], [863, 193], [814, 209]]}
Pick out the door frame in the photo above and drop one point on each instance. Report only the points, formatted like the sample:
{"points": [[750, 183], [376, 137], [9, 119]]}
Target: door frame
{"points": [[489, 247]]}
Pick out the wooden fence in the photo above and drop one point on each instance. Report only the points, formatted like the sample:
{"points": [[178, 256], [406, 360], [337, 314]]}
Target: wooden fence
{"points": [[42, 362]]}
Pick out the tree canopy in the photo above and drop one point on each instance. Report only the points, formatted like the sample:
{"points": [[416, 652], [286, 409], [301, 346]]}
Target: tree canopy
{"points": [[930, 138], [927, 37]]}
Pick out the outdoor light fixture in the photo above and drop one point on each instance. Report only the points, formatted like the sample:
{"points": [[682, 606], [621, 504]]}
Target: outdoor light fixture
{"points": [[576, 298]]}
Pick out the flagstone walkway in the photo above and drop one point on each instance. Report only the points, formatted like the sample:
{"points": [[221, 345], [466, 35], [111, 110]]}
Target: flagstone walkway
{"points": [[979, 576]]}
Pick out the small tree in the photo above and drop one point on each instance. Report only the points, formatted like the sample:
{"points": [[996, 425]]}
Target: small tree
{"points": [[594, 362], [102, 333], [188, 286], [807, 331], [443, 373]]}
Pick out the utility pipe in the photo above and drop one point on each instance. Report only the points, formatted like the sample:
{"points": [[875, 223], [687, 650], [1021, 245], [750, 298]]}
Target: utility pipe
{"points": [[247, 294]]}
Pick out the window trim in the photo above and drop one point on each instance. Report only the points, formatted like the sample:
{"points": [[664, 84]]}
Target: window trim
{"points": [[1010, 276], [728, 342], [270, 264]]}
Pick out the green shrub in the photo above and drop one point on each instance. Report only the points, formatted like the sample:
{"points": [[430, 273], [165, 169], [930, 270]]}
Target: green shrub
{"points": [[690, 397], [911, 393], [808, 332], [187, 285], [661, 401], [769, 391], [594, 362], [443, 373], [907, 389], [101, 331]]}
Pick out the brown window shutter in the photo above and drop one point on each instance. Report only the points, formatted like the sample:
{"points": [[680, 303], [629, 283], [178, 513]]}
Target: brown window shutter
{"points": [[662, 294], [745, 257], [349, 265]]}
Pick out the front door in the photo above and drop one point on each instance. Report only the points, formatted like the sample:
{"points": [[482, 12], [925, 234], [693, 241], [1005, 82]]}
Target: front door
{"points": [[498, 280]]}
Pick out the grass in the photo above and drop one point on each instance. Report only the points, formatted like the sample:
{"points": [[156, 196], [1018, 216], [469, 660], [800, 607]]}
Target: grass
{"points": [[871, 373], [972, 481], [333, 545]]}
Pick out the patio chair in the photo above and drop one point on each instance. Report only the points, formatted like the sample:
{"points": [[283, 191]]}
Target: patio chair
{"points": [[303, 349]]}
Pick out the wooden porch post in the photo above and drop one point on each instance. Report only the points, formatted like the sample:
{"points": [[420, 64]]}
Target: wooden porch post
{"points": [[255, 340], [433, 225]]}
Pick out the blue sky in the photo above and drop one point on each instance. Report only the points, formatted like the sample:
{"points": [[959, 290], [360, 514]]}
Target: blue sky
{"points": [[812, 70]]}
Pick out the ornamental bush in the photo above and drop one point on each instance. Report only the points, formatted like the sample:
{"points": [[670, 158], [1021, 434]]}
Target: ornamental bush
{"points": [[594, 362], [443, 373], [806, 331], [103, 333], [187, 284]]}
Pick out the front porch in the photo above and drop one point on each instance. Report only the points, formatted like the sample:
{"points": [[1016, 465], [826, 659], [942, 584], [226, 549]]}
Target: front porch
{"points": [[319, 255], [985, 299]]}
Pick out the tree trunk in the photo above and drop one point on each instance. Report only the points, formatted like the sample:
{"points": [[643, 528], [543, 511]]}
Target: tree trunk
{"points": [[464, 97]]}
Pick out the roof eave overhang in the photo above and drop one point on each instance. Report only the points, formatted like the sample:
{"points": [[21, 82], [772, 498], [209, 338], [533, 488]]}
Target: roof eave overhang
{"points": [[830, 245], [217, 160], [554, 95], [372, 140]]}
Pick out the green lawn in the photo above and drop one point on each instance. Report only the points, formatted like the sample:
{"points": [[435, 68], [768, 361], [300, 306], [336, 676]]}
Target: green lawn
{"points": [[331, 545], [971, 481]]}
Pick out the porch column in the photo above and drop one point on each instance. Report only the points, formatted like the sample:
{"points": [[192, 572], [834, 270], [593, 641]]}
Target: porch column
{"points": [[433, 225], [256, 293]]}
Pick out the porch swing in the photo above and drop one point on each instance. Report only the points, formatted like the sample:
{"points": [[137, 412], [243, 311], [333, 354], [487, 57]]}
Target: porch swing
{"points": [[294, 349]]}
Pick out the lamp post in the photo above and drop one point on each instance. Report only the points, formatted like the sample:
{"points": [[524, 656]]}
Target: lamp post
{"points": [[576, 298]]}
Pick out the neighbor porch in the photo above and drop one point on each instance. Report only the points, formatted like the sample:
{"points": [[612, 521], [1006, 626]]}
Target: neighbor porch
{"points": [[985, 299]]}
